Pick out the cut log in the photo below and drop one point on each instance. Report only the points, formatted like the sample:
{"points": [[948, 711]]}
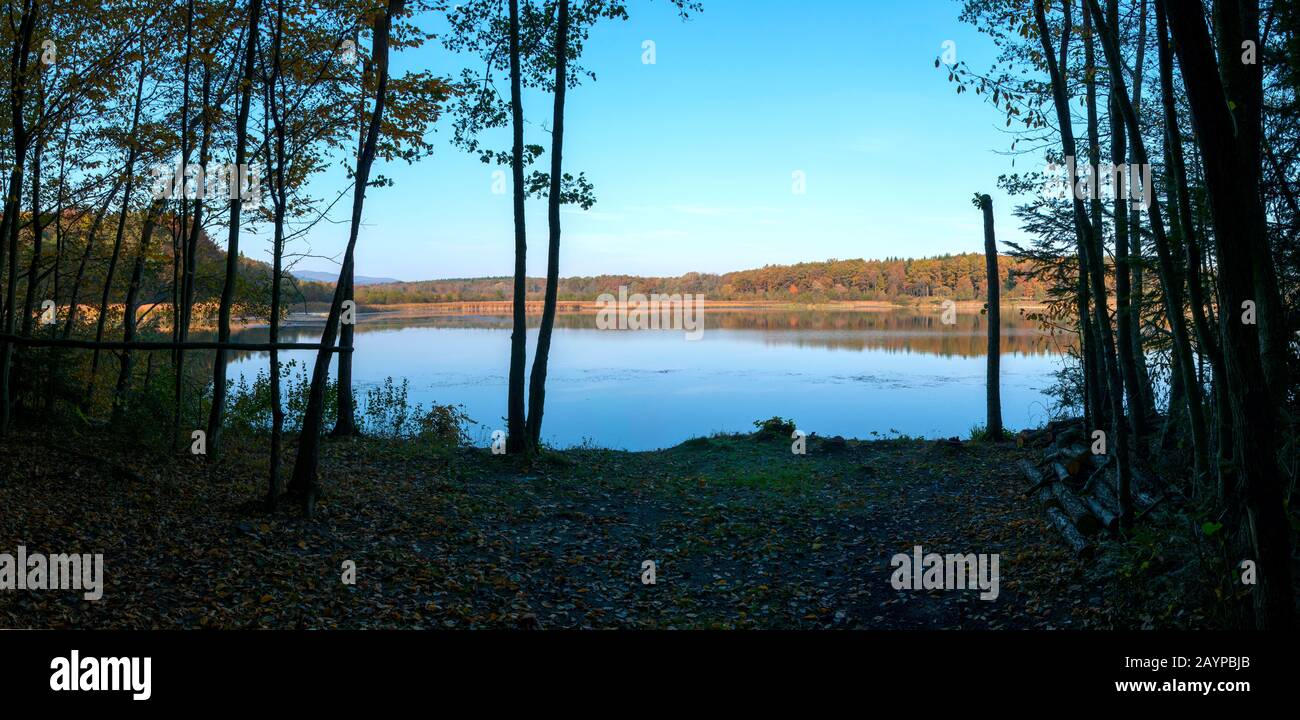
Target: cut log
{"points": [[1039, 485], [1074, 458], [1108, 519], [1103, 493], [1076, 510], [1062, 474], [1142, 487], [1070, 534]]}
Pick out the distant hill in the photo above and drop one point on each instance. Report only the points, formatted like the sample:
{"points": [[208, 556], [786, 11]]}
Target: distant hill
{"points": [[960, 277], [331, 277]]}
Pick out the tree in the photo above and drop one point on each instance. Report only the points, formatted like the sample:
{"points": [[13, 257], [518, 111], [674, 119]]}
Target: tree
{"points": [[1225, 103], [217, 412], [993, 424]]}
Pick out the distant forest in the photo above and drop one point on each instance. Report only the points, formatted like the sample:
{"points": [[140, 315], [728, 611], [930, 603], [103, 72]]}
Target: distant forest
{"points": [[959, 277]]}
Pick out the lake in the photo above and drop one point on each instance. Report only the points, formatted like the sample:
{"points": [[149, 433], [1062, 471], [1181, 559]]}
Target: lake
{"points": [[850, 372]]}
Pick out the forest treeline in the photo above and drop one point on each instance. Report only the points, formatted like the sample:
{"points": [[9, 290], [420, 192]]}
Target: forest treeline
{"points": [[959, 277]]}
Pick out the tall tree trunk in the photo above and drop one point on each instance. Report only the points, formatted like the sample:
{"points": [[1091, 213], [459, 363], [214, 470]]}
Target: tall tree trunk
{"points": [[217, 412], [1128, 361], [18, 64], [132, 155], [1170, 277], [180, 248], [516, 429], [1089, 240], [1206, 340], [132, 306], [1230, 157], [34, 267], [280, 201], [1135, 267], [192, 250], [537, 383], [303, 485], [992, 381], [345, 423]]}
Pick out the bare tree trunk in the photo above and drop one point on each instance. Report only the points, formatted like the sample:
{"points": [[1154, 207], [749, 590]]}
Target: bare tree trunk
{"points": [[345, 422], [992, 383], [1135, 267], [1206, 340], [303, 485], [17, 99], [1128, 360], [132, 155], [537, 384], [516, 428], [217, 413], [280, 201], [180, 248], [34, 267], [132, 306], [192, 249], [1089, 241]]}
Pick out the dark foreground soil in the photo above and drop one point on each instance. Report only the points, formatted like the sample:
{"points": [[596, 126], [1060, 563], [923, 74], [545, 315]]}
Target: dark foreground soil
{"points": [[743, 533]]}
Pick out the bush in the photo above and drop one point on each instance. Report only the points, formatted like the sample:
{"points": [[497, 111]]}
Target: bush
{"points": [[385, 412], [980, 433], [775, 425]]}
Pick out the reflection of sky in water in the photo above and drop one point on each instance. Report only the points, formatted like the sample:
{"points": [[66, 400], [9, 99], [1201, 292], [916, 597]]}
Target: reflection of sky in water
{"points": [[642, 390]]}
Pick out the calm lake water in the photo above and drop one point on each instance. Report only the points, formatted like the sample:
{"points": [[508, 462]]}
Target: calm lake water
{"points": [[835, 372]]}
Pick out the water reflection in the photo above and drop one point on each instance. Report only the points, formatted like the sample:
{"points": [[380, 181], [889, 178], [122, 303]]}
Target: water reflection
{"points": [[835, 372]]}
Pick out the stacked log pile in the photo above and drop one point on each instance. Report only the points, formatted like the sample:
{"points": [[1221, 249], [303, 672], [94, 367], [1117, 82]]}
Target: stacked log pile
{"points": [[1077, 488]]}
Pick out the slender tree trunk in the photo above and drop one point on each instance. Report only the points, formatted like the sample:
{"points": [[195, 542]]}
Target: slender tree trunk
{"points": [[1089, 241], [1206, 340], [192, 247], [58, 257], [303, 485], [992, 383], [217, 414], [516, 429], [278, 197], [537, 383], [345, 423], [132, 306], [1094, 414], [132, 155], [38, 241], [1135, 267], [1128, 361], [17, 100], [180, 249]]}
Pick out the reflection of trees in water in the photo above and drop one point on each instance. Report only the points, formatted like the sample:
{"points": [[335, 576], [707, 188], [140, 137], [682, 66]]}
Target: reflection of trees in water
{"points": [[898, 330]]}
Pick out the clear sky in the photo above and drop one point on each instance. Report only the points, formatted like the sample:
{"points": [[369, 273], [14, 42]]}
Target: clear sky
{"points": [[693, 157]]}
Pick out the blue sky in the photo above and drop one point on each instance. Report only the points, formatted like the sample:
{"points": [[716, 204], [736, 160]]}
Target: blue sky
{"points": [[693, 157]]}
